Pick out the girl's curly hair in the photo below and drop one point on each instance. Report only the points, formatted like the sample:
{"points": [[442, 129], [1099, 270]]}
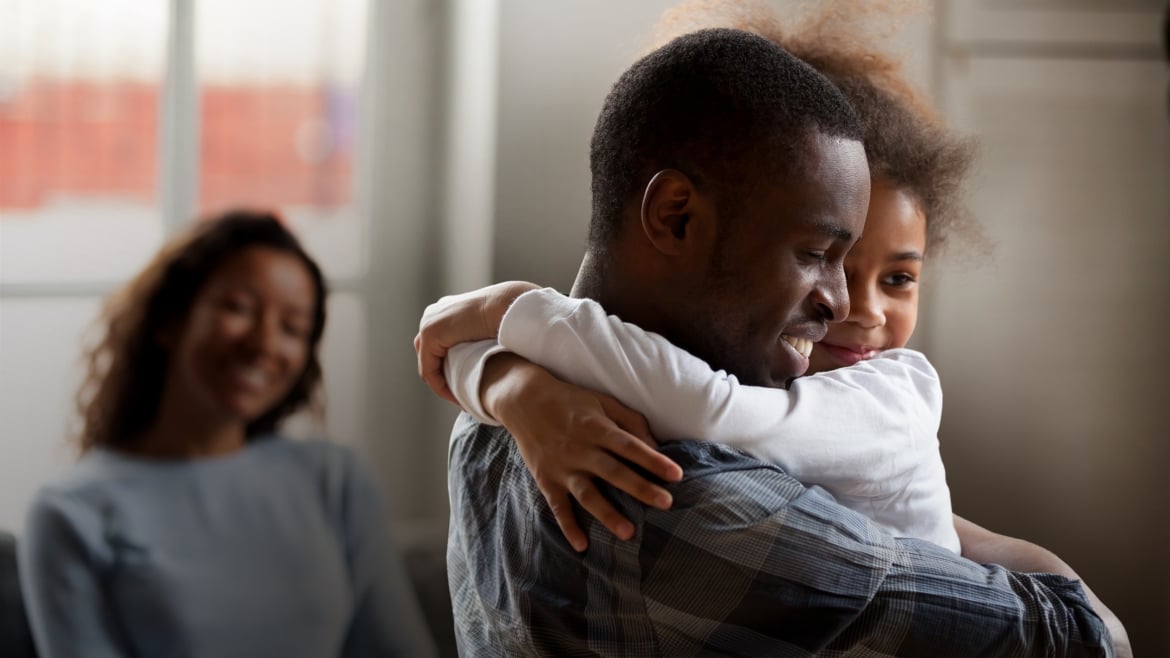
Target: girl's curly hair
{"points": [[906, 141], [122, 389]]}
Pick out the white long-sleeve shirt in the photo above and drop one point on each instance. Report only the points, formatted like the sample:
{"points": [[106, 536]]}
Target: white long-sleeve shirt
{"points": [[867, 433]]}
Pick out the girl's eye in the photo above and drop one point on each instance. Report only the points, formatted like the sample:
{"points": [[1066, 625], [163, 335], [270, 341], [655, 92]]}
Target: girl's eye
{"points": [[899, 280]]}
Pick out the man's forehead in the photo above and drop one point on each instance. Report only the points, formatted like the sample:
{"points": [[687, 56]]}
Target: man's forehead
{"points": [[827, 199]]}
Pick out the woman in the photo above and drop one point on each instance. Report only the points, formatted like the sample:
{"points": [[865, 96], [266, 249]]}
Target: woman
{"points": [[190, 527]]}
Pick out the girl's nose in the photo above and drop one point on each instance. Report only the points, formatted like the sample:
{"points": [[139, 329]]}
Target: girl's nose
{"points": [[865, 307]]}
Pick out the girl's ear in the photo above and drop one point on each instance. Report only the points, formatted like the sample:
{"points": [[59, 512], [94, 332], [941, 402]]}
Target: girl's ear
{"points": [[676, 217]]}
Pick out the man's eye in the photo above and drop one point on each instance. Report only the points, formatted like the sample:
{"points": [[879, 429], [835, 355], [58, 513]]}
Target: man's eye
{"points": [[818, 255]]}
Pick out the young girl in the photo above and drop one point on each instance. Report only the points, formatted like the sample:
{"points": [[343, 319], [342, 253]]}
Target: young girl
{"points": [[190, 527], [864, 427]]}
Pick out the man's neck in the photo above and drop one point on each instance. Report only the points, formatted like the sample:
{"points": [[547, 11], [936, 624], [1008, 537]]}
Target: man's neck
{"points": [[620, 292]]}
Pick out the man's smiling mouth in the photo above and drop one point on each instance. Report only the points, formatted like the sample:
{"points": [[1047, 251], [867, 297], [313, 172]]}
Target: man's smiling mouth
{"points": [[803, 346]]}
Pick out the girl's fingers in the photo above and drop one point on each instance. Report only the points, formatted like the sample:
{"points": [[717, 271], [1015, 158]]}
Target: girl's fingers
{"points": [[438, 384], [562, 509], [444, 392], [627, 419], [430, 368], [641, 451], [582, 488], [622, 477], [628, 447]]}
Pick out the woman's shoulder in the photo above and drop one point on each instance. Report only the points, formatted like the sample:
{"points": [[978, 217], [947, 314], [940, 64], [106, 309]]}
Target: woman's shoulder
{"points": [[75, 499], [97, 470]]}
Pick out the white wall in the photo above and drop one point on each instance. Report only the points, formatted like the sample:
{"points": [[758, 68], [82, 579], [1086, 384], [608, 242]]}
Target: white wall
{"points": [[558, 61], [399, 193], [1050, 349]]}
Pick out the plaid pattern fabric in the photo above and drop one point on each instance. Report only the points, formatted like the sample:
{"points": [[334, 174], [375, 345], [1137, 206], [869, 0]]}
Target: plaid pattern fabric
{"points": [[748, 562]]}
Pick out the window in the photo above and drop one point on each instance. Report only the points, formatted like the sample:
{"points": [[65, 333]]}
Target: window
{"points": [[79, 97], [121, 121], [278, 115]]}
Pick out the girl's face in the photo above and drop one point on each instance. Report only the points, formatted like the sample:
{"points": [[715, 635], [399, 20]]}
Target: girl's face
{"points": [[882, 271], [246, 340]]}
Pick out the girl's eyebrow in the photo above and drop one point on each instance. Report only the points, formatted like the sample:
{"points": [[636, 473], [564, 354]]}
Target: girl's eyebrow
{"points": [[906, 255]]}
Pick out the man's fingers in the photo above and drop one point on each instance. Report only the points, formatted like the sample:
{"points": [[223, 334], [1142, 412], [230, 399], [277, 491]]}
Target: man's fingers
{"points": [[582, 488], [562, 509]]}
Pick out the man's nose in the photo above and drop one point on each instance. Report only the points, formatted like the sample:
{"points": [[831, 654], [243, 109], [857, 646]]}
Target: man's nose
{"points": [[831, 295]]}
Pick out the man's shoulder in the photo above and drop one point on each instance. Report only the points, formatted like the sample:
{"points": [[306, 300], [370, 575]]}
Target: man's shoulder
{"points": [[701, 459], [762, 538], [713, 473], [467, 427], [730, 503], [475, 445]]}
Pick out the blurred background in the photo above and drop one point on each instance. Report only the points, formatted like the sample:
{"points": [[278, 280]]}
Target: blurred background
{"points": [[426, 147]]}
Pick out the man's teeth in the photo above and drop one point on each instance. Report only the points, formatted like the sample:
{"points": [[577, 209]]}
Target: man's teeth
{"points": [[802, 345]]}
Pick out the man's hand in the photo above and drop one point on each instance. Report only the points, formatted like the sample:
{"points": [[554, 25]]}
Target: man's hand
{"points": [[567, 436], [455, 319]]}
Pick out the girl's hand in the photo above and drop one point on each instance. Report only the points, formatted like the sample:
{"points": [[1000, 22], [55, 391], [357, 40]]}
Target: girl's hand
{"points": [[455, 319], [567, 436]]}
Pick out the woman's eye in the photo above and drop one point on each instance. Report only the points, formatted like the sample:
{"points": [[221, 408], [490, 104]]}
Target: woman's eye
{"points": [[295, 330], [234, 305]]}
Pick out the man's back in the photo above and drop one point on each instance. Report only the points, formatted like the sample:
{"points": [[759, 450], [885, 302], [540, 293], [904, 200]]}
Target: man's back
{"points": [[747, 562]]}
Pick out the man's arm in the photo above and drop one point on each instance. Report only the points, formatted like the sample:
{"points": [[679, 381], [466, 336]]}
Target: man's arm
{"points": [[786, 568], [986, 547]]}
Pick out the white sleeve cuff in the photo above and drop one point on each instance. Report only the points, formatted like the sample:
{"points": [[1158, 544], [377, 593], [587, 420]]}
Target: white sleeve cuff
{"points": [[463, 368]]}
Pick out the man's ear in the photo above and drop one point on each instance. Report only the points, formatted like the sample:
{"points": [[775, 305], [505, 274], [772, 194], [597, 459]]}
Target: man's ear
{"points": [[675, 216]]}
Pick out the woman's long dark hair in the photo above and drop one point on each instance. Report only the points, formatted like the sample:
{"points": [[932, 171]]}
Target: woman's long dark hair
{"points": [[120, 396]]}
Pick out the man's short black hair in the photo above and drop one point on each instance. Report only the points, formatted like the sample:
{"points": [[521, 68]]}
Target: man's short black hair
{"points": [[709, 104]]}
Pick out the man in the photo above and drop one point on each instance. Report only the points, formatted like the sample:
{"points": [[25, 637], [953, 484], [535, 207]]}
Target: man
{"points": [[729, 181]]}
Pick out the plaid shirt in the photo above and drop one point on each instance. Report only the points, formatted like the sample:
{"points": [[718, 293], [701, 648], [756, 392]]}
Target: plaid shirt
{"points": [[748, 562]]}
